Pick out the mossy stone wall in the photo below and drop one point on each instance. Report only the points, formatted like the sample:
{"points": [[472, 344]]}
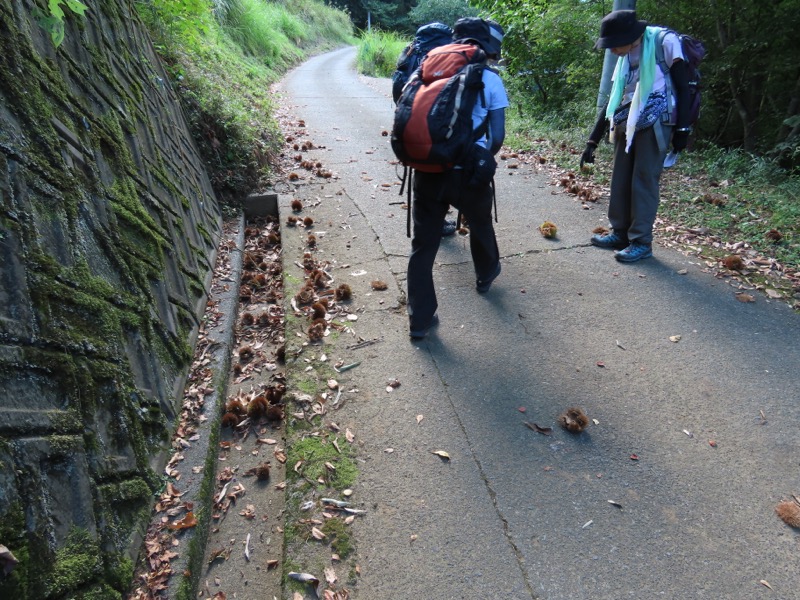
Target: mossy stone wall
{"points": [[107, 228]]}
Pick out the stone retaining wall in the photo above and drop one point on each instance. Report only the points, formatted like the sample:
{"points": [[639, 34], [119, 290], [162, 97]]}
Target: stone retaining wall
{"points": [[108, 229]]}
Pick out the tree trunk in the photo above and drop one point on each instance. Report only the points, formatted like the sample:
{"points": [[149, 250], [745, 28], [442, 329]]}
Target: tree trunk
{"points": [[610, 61], [786, 131]]}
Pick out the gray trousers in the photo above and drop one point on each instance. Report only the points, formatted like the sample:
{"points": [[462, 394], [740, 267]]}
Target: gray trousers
{"points": [[635, 182]]}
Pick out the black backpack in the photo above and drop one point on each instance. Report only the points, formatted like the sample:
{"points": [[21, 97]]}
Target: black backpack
{"points": [[694, 51], [427, 38]]}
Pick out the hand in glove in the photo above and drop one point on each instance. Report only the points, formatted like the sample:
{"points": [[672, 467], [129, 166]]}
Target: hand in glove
{"points": [[679, 140], [588, 154]]}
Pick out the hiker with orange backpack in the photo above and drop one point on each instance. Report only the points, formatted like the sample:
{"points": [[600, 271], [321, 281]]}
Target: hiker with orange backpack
{"points": [[448, 127]]}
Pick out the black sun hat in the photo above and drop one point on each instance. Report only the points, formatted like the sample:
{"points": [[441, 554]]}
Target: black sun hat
{"points": [[487, 34], [619, 28]]}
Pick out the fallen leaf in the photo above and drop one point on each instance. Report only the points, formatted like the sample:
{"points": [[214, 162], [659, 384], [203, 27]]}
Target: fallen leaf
{"points": [[272, 563], [634, 457], [419, 419], [539, 428], [185, 523], [389, 450], [349, 436], [522, 409], [742, 297], [615, 503], [587, 524], [601, 364], [441, 454], [712, 443], [330, 575], [766, 584], [774, 294], [317, 534], [675, 338]]}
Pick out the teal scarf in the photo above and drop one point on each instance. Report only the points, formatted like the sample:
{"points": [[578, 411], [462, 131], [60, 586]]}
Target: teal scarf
{"points": [[647, 74]]}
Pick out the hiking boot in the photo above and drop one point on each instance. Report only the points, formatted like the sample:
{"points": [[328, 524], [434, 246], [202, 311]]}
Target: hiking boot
{"points": [[418, 334], [483, 285], [449, 228], [636, 251], [609, 240]]}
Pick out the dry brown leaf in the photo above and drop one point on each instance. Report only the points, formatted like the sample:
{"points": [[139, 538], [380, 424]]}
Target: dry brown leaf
{"points": [[539, 428], [185, 523], [675, 339], [742, 297], [419, 419], [441, 454], [317, 534], [766, 584], [330, 575]]}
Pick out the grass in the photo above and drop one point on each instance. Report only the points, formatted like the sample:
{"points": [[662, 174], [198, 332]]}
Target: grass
{"points": [[223, 64], [378, 52]]}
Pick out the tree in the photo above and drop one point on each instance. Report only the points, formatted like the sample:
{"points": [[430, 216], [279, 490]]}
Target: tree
{"points": [[443, 11], [751, 74]]}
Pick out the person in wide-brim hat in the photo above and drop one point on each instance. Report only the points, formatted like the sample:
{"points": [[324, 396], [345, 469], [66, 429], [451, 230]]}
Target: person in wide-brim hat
{"points": [[619, 28]]}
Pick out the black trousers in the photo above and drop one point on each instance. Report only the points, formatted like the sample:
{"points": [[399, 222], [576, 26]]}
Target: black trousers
{"points": [[433, 194]]}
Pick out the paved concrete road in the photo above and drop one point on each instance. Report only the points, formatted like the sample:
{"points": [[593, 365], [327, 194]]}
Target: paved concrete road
{"points": [[518, 514]]}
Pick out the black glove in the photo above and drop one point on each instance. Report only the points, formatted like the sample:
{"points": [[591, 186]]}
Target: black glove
{"points": [[679, 140], [588, 154]]}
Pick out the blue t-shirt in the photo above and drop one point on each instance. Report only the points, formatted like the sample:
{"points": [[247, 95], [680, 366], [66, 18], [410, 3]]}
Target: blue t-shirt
{"points": [[496, 98]]}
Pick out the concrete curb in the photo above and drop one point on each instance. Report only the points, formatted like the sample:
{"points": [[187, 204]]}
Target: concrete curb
{"points": [[198, 488]]}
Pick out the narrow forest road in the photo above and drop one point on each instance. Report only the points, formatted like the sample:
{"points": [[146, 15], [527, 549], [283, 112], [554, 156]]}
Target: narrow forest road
{"points": [[694, 396]]}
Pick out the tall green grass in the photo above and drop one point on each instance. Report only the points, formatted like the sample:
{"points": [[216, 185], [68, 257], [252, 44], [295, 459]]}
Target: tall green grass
{"points": [[224, 55], [378, 52]]}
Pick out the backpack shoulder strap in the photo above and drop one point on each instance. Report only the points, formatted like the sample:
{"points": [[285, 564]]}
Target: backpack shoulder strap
{"points": [[661, 61]]}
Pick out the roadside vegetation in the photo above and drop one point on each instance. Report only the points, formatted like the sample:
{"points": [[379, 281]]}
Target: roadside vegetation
{"points": [[738, 188], [222, 56]]}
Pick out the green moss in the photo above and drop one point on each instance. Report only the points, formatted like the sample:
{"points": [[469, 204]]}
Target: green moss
{"points": [[339, 535], [65, 445], [315, 451], [76, 563], [67, 421], [307, 385]]}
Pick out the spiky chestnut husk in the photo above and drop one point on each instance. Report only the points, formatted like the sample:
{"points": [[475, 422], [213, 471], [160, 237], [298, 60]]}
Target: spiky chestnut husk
{"points": [[733, 262], [257, 407], [318, 311], [343, 292], [234, 407], [262, 471], [573, 420], [789, 512], [230, 420], [548, 229]]}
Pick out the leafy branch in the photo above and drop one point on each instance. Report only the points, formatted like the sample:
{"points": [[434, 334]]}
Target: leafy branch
{"points": [[53, 23]]}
